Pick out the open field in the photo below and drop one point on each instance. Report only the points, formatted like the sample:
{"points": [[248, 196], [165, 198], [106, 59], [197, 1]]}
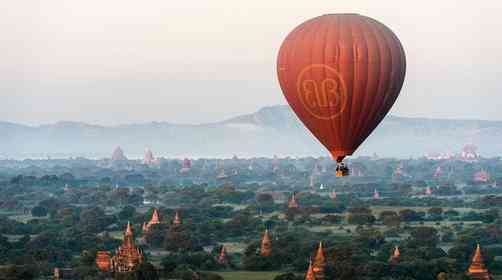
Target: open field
{"points": [[230, 247], [440, 224], [249, 275], [118, 234], [234, 206], [24, 218], [16, 237], [379, 209], [336, 229], [19, 216], [234, 247], [155, 257]]}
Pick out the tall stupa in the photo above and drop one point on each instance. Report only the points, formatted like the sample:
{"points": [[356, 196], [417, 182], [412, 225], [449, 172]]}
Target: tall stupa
{"points": [[149, 159], [118, 154], [266, 245], [477, 270]]}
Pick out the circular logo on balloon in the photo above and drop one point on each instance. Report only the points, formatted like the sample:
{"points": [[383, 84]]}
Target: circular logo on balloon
{"points": [[322, 91]]}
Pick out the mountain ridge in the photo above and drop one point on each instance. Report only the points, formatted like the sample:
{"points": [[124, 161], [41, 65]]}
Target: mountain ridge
{"points": [[230, 119], [268, 131]]}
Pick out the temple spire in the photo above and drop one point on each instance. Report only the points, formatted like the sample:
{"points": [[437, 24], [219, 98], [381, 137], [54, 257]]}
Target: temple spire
{"points": [[293, 203], [319, 264], [222, 258], [477, 269], [266, 245], [128, 231], [333, 195], [155, 217], [396, 253], [394, 258], [57, 274], [376, 194], [177, 219], [428, 191], [310, 272], [128, 236], [127, 257], [154, 220], [312, 184]]}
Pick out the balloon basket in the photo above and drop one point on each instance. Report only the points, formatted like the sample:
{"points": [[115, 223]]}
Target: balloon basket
{"points": [[342, 173], [342, 170]]}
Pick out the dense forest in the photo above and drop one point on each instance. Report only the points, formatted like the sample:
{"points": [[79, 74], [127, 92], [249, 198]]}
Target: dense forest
{"points": [[56, 215]]}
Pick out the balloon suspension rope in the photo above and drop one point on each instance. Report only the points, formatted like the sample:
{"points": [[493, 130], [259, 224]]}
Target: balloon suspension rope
{"points": [[339, 159]]}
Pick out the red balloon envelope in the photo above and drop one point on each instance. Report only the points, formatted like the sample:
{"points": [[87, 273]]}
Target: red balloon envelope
{"points": [[341, 74]]}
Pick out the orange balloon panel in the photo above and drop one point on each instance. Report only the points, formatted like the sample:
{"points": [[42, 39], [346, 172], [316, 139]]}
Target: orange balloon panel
{"points": [[341, 74]]}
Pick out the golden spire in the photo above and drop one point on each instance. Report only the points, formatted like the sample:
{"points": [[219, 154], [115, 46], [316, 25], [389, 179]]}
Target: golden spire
{"points": [[222, 258], [129, 231], [57, 273], [155, 217], [428, 190], [477, 269], [319, 263], [154, 220], [333, 195], [128, 236], [292, 202], [395, 255], [396, 252], [376, 194], [310, 273], [177, 219], [266, 245]]}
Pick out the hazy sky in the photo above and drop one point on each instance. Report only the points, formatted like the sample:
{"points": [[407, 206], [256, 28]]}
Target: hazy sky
{"points": [[120, 61]]}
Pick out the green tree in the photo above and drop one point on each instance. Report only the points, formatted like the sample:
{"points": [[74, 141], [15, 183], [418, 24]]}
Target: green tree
{"points": [[265, 201], [288, 276], [127, 213], [390, 218], [39, 211], [423, 236], [435, 213]]}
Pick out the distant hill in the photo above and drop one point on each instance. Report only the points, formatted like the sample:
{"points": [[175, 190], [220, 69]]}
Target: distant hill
{"points": [[269, 131]]}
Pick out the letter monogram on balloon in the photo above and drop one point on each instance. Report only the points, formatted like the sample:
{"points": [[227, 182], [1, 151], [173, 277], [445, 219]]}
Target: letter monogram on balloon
{"points": [[324, 98]]}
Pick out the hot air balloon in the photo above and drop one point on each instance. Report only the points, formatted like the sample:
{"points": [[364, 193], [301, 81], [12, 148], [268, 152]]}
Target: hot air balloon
{"points": [[341, 74]]}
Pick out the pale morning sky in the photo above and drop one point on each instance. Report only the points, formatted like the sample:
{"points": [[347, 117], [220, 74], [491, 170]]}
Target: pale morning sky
{"points": [[119, 61]]}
